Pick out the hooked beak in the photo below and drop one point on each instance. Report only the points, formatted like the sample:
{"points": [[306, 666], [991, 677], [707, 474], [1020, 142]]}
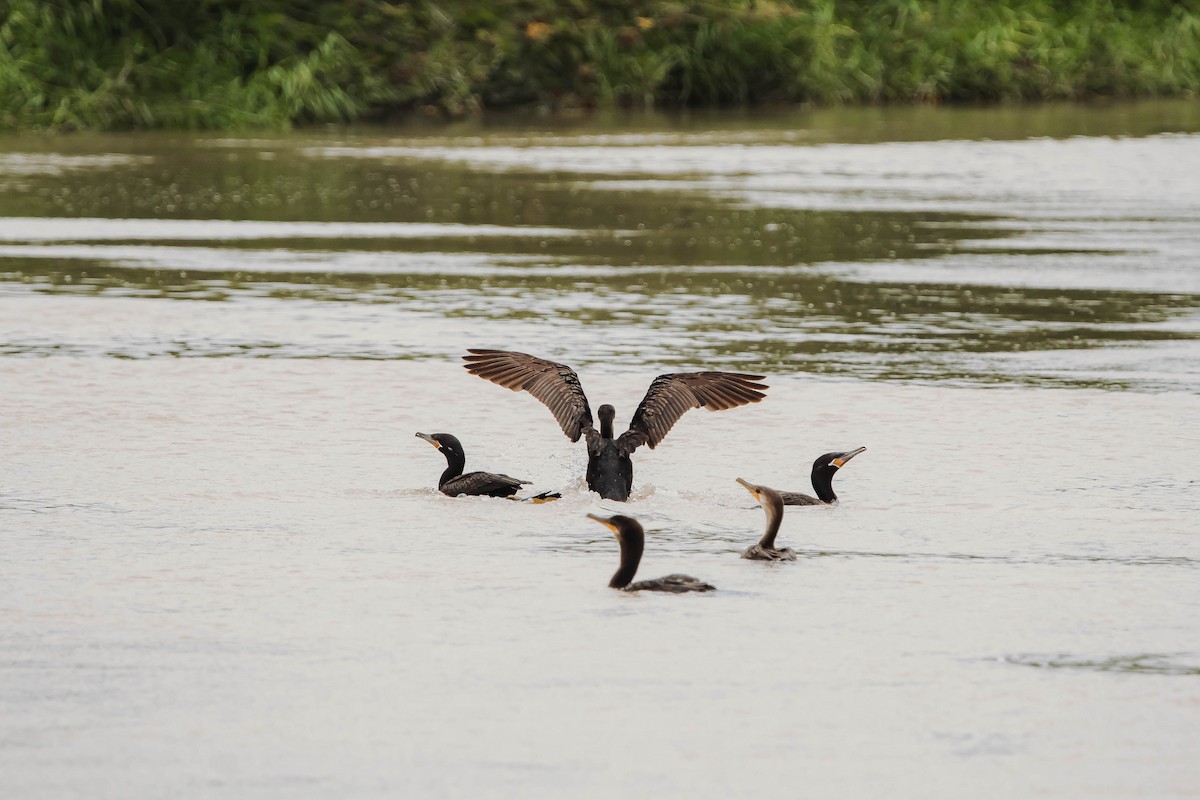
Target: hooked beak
{"points": [[427, 437], [844, 458], [749, 488], [604, 522]]}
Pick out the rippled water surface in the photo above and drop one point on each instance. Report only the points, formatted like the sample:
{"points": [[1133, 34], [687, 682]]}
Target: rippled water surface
{"points": [[228, 571]]}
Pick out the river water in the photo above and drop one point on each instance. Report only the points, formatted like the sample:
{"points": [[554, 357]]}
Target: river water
{"points": [[227, 570]]}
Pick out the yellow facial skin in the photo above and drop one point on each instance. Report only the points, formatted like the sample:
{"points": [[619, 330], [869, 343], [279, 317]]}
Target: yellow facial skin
{"points": [[427, 438], [605, 523], [843, 461], [751, 489]]}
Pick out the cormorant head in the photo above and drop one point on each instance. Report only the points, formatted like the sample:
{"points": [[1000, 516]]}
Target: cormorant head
{"points": [[632, 541], [765, 495], [443, 441], [624, 527], [751, 488], [832, 462], [606, 413]]}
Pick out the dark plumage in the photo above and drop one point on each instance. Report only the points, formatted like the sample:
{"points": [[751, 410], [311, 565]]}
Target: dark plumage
{"points": [[771, 503], [823, 470], [632, 539], [610, 468], [454, 483]]}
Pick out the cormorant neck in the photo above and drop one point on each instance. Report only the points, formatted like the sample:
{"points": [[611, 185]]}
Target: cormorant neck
{"points": [[454, 468], [631, 556], [822, 481], [606, 413], [774, 508]]}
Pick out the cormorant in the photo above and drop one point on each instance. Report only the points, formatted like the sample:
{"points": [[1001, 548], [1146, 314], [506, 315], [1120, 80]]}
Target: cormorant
{"points": [[823, 470], [610, 469], [771, 503], [633, 540], [454, 483]]}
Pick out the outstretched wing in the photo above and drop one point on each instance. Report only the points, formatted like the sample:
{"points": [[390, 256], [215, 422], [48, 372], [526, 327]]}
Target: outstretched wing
{"points": [[554, 384], [670, 396]]}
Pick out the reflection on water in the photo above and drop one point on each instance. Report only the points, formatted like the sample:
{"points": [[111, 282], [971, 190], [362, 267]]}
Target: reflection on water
{"points": [[1145, 664], [772, 321], [754, 244]]}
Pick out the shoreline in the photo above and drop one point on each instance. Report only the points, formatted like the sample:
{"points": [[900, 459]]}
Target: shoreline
{"points": [[213, 68]]}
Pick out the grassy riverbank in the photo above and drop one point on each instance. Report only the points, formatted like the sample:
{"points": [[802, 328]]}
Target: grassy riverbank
{"points": [[110, 64]]}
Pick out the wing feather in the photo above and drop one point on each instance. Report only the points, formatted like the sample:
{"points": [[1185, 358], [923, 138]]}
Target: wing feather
{"points": [[671, 396], [555, 385], [482, 483]]}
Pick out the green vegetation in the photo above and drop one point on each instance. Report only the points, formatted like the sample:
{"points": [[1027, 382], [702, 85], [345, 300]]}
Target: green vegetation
{"points": [[105, 64]]}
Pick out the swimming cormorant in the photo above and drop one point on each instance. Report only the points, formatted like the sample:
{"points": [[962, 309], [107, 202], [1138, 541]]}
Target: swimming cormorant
{"points": [[771, 503], [823, 470], [454, 483], [633, 540], [610, 469]]}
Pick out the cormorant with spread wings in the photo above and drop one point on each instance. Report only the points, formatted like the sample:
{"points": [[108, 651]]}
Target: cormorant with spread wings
{"points": [[610, 469]]}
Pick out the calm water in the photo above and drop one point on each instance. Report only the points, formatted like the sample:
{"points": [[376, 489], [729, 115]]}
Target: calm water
{"points": [[227, 571]]}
